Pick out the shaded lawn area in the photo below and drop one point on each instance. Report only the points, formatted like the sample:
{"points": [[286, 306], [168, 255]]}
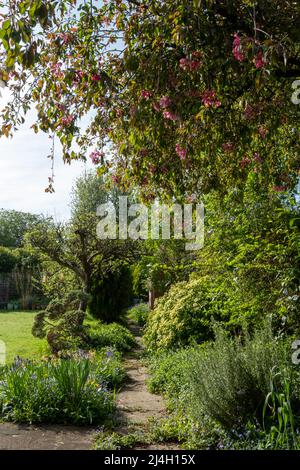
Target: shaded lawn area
{"points": [[15, 331]]}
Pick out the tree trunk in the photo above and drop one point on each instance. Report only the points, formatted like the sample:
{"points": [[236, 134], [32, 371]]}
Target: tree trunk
{"points": [[152, 297]]}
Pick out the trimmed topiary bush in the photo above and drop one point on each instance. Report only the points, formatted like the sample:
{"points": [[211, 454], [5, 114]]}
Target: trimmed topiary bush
{"points": [[184, 315]]}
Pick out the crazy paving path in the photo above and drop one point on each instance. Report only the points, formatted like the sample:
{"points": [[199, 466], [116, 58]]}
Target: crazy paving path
{"points": [[135, 403], [23, 437]]}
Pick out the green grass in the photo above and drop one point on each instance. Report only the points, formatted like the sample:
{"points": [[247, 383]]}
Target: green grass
{"points": [[15, 331]]}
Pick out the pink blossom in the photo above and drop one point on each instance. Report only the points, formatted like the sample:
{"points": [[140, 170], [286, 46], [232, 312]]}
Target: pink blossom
{"points": [[195, 65], [96, 77], [249, 112], [181, 152], [56, 70], [170, 115], [165, 102], [245, 162], [209, 99], [237, 48], [146, 94], [263, 132], [194, 93], [191, 198], [189, 65], [156, 106], [115, 179], [79, 74], [228, 147], [279, 189], [67, 120], [153, 169], [144, 152], [257, 158], [96, 157], [259, 60]]}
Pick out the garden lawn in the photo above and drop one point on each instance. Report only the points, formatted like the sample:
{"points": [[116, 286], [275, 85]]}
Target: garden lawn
{"points": [[15, 331]]}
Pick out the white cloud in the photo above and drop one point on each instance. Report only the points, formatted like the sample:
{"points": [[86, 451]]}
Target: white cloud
{"points": [[24, 172]]}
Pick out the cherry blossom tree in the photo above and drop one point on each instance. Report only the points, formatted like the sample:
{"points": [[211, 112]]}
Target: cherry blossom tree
{"points": [[181, 96]]}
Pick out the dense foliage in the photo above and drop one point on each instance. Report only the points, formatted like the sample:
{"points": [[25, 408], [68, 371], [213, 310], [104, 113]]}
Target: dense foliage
{"points": [[7, 260], [113, 334], [248, 268], [185, 314], [139, 314], [14, 225], [111, 293], [74, 258]]}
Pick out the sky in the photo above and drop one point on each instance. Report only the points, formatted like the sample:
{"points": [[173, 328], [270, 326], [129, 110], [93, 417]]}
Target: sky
{"points": [[24, 172]]}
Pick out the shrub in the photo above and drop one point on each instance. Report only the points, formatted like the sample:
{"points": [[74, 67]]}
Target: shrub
{"points": [[139, 314], [184, 315], [139, 281], [62, 322], [113, 334], [109, 370], [117, 441], [169, 374], [111, 294], [60, 391], [8, 260], [230, 380]]}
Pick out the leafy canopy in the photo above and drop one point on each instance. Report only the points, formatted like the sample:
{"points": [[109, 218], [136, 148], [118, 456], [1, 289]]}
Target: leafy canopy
{"points": [[179, 96]]}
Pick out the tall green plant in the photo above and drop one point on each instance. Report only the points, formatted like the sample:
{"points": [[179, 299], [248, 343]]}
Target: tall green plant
{"points": [[71, 377], [230, 378], [278, 413]]}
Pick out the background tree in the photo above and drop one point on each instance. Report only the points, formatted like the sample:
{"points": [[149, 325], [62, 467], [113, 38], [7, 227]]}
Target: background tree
{"points": [[14, 225], [75, 246], [162, 263], [91, 271], [27, 275]]}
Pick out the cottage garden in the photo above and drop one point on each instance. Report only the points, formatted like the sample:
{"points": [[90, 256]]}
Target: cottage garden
{"points": [[143, 342]]}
